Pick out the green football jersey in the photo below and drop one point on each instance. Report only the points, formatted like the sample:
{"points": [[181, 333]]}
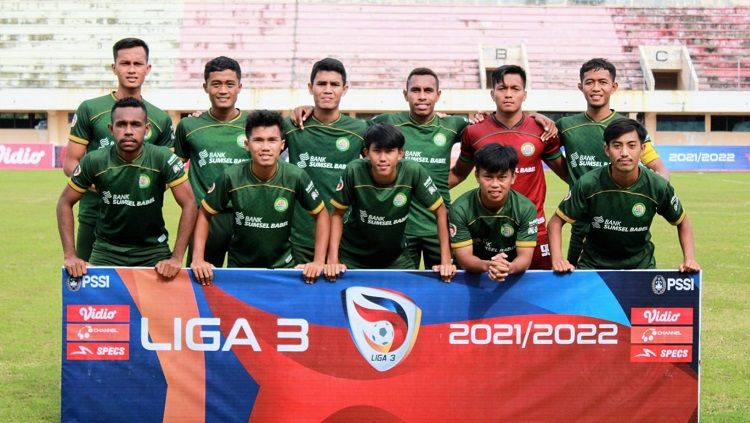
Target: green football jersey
{"points": [[131, 194], [514, 225], [430, 145], [620, 218], [374, 230], [90, 128], [263, 212], [323, 151], [211, 146]]}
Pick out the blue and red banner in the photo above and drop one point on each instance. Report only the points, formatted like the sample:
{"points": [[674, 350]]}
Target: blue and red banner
{"points": [[260, 345]]}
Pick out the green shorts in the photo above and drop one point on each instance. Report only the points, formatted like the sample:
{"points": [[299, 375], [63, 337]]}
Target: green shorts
{"points": [[424, 247], [403, 261], [104, 254]]}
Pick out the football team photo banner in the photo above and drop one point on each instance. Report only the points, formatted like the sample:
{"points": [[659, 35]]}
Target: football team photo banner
{"points": [[260, 345]]}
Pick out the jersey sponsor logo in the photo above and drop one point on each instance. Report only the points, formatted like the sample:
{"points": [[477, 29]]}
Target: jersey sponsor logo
{"points": [[310, 189], [106, 197], [430, 185], [527, 149], [280, 204], [399, 200], [439, 139], [638, 210], [306, 160], [241, 140], [214, 157], [675, 202], [202, 156], [661, 315], [343, 144], [597, 222], [452, 229], [383, 324], [105, 142], [507, 230], [144, 181], [303, 158], [584, 160]]}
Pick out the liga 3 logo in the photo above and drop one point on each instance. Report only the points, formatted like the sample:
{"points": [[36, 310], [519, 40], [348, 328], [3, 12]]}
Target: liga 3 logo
{"points": [[383, 324]]}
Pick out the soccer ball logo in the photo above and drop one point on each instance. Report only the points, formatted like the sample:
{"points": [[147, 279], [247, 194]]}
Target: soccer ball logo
{"points": [[85, 332], [649, 335], [381, 333]]}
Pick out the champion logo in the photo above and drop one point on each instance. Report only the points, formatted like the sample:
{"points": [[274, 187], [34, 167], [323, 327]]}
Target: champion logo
{"points": [[383, 324]]}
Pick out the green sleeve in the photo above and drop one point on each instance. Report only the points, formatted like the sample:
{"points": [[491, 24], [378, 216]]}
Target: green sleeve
{"points": [[166, 136], [173, 169], [574, 206], [181, 145], [83, 174], [527, 223], [425, 190], [217, 196], [307, 195], [670, 206], [342, 196], [459, 228], [81, 130]]}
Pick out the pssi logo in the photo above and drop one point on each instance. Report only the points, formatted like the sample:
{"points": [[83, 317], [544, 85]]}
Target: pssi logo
{"points": [[88, 281], [383, 324], [660, 285]]}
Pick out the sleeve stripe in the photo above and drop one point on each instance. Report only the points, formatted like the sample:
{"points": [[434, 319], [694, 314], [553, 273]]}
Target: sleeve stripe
{"points": [[525, 244], [77, 140], [318, 209], [178, 181], [680, 219], [208, 208], [564, 217], [436, 204], [461, 244], [76, 187], [338, 205]]}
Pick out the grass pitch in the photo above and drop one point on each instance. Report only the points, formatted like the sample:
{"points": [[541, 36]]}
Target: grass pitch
{"points": [[718, 205]]}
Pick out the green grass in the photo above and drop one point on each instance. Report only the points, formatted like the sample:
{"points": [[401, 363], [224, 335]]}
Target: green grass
{"points": [[30, 299]]}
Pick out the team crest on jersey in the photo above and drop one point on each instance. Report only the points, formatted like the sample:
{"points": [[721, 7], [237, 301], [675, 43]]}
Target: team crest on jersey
{"points": [[342, 144], [452, 229], [144, 181], [399, 200], [507, 230], [439, 139], [527, 149], [280, 204], [384, 324], [638, 209], [241, 140]]}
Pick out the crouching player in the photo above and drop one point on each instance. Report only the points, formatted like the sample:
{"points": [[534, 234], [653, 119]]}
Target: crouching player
{"points": [[620, 201], [262, 193], [493, 228], [379, 191]]}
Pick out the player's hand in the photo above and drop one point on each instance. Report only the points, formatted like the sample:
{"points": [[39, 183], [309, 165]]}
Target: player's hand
{"points": [[447, 271], [311, 271], [562, 266], [690, 266], [478, 117], [300, 115], [75, 266], [550, 130], [169, 268], [203, 271], [196, 113], [333, 270], [499, 269]]}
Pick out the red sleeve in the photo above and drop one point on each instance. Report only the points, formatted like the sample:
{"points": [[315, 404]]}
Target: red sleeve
{"points": [[467, 146]]}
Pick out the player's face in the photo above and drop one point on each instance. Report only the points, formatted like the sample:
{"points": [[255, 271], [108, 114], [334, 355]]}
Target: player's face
{"points": [[327, 89], [494, 186], [265, 145], [597, 86], [625, 152], [422, 94], [129, 128], [509, 94], [222, 88], [384, 162], [131, 67]]}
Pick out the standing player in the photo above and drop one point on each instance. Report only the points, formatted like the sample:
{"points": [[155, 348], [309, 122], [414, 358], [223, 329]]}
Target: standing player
{"points": [[620, 201], [510, 126], [493, 228], [213, 141], [581, 136], [131, 178], [380, 190], [262, 194], [329, 141], [89, 131]]}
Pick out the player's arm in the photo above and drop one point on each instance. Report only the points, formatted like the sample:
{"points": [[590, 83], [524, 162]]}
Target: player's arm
{"points": [[468, 261], [550, 129], [459, 172], [558, 166], [65, 225], [333, 267], [183, 195], [522, 261], [685, 234], [651, 159], [202, 270], [300, 115], [74, 152], [311, 271], [446, 268], [554, 230]]}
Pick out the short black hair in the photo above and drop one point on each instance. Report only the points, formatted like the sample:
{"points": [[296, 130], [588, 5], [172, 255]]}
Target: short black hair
{"points": [[128, 102], [496, 158], [499, 74], [622, 126], [328, 64], [262, 118], [222, 63], [129, 43], [422, 71], [596, 64], [383, 135]]}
